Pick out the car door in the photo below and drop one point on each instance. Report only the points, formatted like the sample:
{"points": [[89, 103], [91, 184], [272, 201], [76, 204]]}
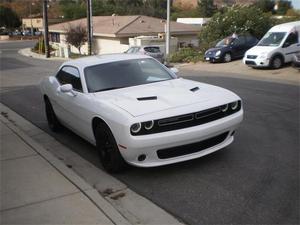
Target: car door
{"points": [[291, 46], [72, 105], [239, 47]]}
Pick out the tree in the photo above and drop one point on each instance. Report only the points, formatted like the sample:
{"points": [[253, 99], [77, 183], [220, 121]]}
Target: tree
{"points": [[73, 9], [8, 18], [236, 19], [206, 8], [76, 36], [283, 6], [265, 5]]}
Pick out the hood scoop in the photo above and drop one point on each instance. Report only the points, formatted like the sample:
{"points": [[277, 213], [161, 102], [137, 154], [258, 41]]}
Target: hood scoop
{"points": [[147, 98], [194, 89]]}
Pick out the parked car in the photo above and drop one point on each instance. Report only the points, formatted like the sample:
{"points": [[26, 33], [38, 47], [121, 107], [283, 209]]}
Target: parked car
{"points": [[136, 110], [230, 48], [153, 51], [276, 48], [296, 61]]}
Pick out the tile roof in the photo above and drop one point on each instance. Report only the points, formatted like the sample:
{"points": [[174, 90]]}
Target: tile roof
{"points": [[127, 26]]}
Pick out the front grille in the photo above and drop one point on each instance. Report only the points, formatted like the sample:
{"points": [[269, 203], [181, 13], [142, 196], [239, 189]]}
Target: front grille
{"points": [[250, 63], [189, 120], [251, 56], [191, 148]]}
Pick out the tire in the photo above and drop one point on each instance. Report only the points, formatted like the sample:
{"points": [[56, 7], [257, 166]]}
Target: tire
{"points": [[109, 154], [52, 120], [227, 57], [276, 62]]}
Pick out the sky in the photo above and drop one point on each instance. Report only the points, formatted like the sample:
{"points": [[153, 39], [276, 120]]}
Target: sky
{"points": [[296, 4]]}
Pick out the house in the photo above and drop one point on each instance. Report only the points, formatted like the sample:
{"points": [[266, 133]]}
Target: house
{"points": [[192, 4], [194, 21], [111, 33]]}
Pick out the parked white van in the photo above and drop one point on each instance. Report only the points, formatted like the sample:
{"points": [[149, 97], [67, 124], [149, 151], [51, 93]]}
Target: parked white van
{"points": [[277, 47]]}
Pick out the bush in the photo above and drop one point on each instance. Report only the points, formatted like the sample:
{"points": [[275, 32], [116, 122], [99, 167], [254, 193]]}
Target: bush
{"points": [[39, 47], [235, 19], [186, 55]]}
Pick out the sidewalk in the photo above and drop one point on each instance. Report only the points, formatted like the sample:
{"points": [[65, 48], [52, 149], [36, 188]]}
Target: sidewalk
{"points": [[27, 52], [44, 182], [37, 188]]}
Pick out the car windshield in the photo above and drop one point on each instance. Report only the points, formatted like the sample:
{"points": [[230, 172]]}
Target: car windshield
{"points": [[225, 42], [272, 39], [125, 73]]}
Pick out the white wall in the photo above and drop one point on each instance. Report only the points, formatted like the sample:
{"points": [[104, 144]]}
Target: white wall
{"points": [[189, 39], [104, 45]]}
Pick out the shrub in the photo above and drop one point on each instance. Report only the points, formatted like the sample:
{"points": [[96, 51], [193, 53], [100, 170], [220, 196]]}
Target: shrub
{"points": [[39, 47], [235, 19], [186, 55]]}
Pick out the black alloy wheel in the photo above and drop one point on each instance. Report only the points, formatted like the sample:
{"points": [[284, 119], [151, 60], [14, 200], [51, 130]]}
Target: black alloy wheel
{"points": [[109, 153], [52, 120]]}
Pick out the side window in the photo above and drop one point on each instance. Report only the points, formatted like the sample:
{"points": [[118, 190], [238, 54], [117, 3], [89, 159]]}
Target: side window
{"points": [[70, 75], [251, 40], [292, 38], [241, 40]]}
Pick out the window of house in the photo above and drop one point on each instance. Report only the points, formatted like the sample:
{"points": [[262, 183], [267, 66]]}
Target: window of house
{"points": [[70, 75], [55, 37]]}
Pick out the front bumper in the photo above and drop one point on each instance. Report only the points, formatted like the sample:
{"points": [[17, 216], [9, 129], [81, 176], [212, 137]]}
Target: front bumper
{"points": [[148, 145], [211, 58], [258, 62]]}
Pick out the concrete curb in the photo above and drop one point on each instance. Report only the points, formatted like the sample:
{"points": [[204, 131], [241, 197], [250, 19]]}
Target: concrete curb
{"points": [[69, 174], [113, 198], [28, 53]]}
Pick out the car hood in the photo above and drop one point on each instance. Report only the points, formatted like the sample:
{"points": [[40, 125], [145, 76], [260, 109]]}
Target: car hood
{"points": [[258, 50], [165, 95], [215, 49]]}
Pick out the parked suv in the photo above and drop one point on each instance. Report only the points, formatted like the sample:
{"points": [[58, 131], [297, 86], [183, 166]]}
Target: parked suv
{"points": [[153, 51], [232, 47]]}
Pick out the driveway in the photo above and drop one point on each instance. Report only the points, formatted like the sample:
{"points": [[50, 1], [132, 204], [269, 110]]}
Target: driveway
{"points": [[287, 74]]}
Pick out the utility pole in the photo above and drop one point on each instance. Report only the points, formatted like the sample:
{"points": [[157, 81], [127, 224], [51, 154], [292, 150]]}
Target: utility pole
{"points": [[31, 28], [168, 33], [90, 26], [46, 31]]}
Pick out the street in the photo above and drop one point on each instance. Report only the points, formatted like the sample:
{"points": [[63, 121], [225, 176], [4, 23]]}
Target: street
{"points": [[254, 180]]}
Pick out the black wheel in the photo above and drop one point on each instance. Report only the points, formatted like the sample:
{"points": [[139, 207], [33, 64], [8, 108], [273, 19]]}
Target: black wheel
{"points": [[276, 62], [227, 57], [109, 154], [53, 122]]}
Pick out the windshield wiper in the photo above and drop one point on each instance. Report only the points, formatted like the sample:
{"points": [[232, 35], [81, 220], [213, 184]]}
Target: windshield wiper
{"points": [[107, 89]]}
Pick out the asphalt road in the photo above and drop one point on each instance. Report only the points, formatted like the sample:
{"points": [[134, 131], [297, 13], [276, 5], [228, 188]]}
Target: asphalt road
{"points": [[253, 181]]}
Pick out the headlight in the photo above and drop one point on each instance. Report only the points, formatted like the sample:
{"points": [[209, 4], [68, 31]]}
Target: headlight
{"points": [[218, 53], [148, 125], [224, 108], [135, 128], [234, 105]]}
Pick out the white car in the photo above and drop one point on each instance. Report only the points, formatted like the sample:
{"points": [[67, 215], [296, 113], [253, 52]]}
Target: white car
{"points": [[137, 111], [276, 48]]}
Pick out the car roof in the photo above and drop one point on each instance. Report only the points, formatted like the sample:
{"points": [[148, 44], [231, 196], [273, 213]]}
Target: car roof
{"points": [[285, 27], [83, 62]]}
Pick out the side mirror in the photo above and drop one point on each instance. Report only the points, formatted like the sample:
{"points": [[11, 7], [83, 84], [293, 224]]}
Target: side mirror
{"points": [[174, 70], [286, 44], [67, 88]]}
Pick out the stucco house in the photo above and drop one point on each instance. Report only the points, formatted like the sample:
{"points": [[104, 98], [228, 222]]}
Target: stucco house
{"points": [[111, 33]]}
